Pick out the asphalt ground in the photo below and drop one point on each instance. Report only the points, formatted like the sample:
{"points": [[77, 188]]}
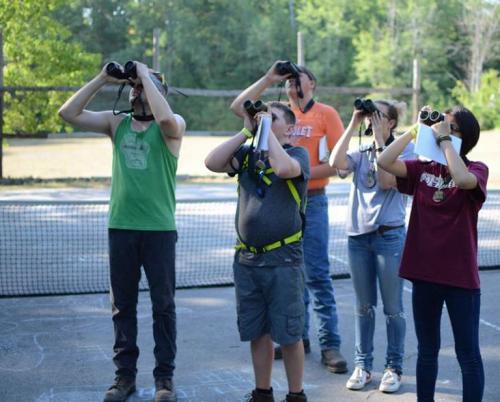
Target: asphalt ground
{"points": [[60, 349]]}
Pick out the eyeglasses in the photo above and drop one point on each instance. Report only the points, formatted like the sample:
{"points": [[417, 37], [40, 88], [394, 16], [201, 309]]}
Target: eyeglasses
{"points": [[454, 128]]}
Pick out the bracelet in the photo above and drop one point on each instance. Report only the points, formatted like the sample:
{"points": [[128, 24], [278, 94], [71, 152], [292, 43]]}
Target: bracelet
{"points": [[246, 132], [380, 149], [442, 138], [413, 131]]}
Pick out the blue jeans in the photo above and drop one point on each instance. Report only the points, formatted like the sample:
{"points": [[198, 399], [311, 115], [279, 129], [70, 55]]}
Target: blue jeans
{"points": [[463, 309], [375, 257], [155, 251], [319, 285]]}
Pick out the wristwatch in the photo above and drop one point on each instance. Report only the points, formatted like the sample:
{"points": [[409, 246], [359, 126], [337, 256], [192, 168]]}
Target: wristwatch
{"points": [[442, 138]]}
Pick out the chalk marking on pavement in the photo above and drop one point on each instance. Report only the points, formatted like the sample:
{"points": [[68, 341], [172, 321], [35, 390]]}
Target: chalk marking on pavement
{"points": [[489, 324]]}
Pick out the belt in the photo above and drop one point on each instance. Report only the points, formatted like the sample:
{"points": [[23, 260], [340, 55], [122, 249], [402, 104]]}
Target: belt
{"points": [[316, 191], [384, 228], [277, 244]]}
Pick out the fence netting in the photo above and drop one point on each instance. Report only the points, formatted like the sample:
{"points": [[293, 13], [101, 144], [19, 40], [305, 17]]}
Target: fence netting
{"points": [[62, 248]]}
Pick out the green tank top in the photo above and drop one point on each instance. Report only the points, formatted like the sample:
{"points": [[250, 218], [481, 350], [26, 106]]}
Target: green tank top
{"points": [[143, 181]]}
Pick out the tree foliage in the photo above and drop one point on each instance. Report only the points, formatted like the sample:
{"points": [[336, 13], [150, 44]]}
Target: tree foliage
{"points": [[485, 103], [227, 44], [38, 51]]}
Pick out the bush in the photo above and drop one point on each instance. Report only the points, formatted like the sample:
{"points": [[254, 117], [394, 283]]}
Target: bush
{"points": [[485, 103]]}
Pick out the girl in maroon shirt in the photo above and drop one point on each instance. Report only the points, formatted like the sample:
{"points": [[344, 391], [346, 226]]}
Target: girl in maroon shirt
{"points": [[440, 254]]}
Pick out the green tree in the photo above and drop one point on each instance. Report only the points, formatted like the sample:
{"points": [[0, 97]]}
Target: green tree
{"points": [[220, 44], [481, 38], [354, 42], [329, 27], [100, 26], [38, 52], [485, 102]]}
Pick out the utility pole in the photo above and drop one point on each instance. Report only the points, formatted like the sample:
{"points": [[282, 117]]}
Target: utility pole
{"points": [[300, 49], [156, 49], [291, 8], [415, 90]]}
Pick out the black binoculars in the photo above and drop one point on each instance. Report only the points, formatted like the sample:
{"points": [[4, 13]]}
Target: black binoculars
{"points": [[287, 67], [366, 105], [430, 117], [116, 70], [253, 108]]}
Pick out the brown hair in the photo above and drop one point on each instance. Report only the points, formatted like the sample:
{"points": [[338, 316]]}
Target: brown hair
{"points": [[309, 73], [287, 112], [395, 110]]}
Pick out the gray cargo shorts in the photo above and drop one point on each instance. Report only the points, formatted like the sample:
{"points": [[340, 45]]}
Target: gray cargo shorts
{"points": [[270, 300]]}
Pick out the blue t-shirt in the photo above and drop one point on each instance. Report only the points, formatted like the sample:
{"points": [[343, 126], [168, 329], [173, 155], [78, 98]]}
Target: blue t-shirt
{"points": [[369, 205]]}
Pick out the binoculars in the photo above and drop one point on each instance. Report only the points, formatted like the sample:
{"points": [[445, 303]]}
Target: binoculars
{"points": [[366, 105], [430, 117], [253, 108], [120, 72], [287, 67], [129, 72]]}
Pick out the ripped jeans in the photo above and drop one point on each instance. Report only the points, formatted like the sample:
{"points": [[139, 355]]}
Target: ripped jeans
{"points": [[375, 257]]}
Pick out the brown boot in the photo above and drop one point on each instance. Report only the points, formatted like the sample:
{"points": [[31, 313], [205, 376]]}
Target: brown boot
{"points": [[334, 361], [165, 391], [257, 396], [120, 390]]}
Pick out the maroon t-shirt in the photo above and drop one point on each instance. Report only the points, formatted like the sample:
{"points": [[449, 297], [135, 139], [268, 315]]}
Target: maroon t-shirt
{"points": [[441, 243]]}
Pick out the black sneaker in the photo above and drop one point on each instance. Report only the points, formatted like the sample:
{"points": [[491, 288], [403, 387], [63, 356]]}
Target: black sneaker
{"points": [[165, 391], [296, 398], [120, 390], [278, 354], [256, 396]]}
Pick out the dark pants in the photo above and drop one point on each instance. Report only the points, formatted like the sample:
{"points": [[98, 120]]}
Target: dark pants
{"points": [[463, 308], [155, 251]]}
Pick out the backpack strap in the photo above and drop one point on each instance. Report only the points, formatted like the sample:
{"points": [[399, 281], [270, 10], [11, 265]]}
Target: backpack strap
{"points": [[296, 196]]}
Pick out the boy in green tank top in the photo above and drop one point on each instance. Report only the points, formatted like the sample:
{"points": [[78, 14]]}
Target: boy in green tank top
{"points": [[141, 225]]}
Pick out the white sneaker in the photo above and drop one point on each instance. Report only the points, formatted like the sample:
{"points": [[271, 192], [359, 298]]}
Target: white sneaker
{"points": [[391, 381], [359, 379]]}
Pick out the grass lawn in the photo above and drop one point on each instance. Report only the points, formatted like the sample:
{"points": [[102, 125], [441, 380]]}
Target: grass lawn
{"points": [[83, 158]]}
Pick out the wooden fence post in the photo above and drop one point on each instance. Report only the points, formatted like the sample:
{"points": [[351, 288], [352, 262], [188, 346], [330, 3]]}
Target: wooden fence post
{"points": [[1, 103]]}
